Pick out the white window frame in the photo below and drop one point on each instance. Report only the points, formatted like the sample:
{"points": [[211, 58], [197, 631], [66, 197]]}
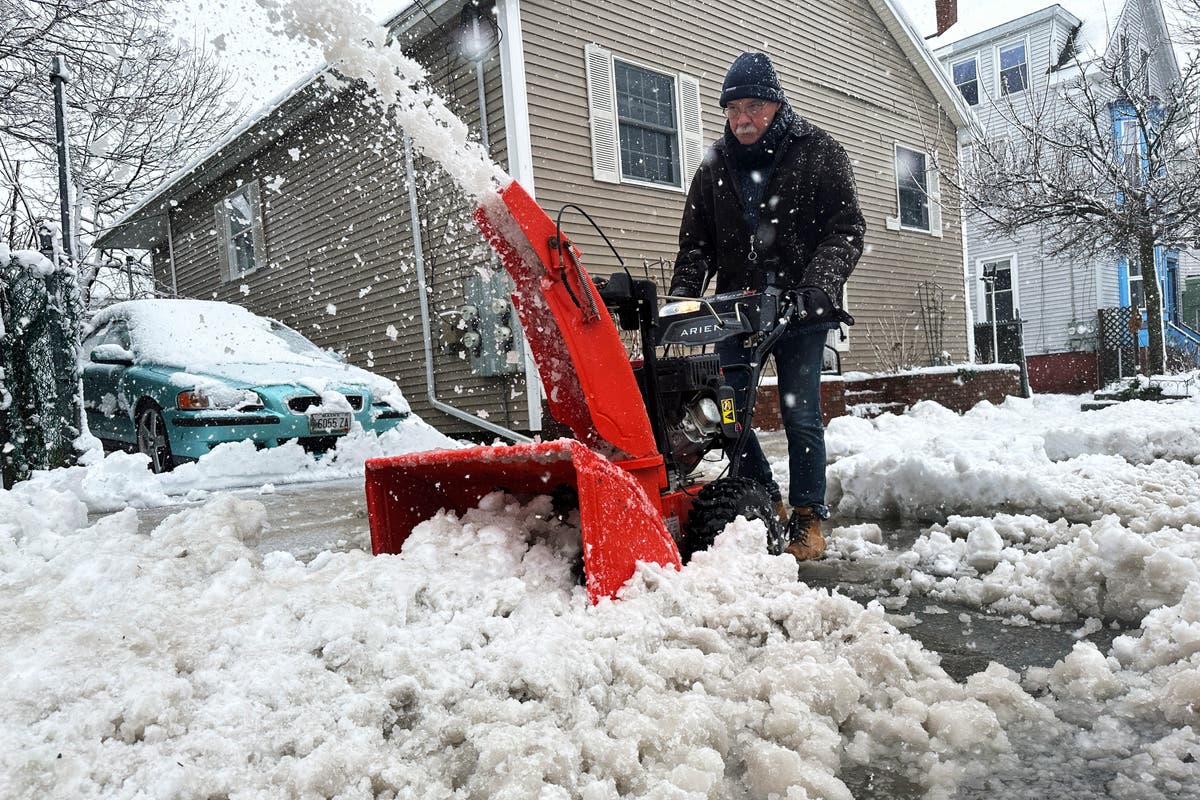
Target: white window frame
{"points": [[978, 79], [225, 244], [1024, 42], [1130, 144], [605, 127], [1133, 272], [933, 192], [982, 309]]}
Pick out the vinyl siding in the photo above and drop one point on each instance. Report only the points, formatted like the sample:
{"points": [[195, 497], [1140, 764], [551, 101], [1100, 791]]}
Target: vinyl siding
{"points": [[341, 265], [842, 70]]}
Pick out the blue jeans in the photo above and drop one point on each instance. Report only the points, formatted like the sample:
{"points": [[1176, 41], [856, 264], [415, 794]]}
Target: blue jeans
{"points": [[798, 363]]}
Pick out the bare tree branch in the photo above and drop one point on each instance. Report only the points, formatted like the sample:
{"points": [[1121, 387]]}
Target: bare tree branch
{"points": [[141, 103]]}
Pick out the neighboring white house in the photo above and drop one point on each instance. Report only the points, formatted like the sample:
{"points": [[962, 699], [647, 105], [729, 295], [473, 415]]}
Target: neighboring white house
{"points": [[1011, 57]]}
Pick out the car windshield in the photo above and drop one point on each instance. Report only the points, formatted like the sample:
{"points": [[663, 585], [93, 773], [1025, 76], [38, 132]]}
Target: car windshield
{"points": [[295, 342]]}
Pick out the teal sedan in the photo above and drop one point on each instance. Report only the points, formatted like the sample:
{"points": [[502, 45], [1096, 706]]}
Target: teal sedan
{"points": [[175, 378]]}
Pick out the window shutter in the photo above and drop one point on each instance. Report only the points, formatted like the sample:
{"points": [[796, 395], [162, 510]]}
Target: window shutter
{"points": [[602, 114], [221, 222], [934, 178], [692, 126], [260, 240]]}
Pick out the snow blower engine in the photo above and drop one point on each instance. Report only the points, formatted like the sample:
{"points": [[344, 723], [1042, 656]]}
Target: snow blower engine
{"points": [[641, 428]]}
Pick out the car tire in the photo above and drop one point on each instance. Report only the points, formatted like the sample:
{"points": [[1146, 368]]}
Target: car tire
{"points": [[152, 439]]}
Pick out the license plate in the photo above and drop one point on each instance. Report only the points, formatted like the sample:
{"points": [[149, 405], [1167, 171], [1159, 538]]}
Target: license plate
{"points": [[329, 422]]}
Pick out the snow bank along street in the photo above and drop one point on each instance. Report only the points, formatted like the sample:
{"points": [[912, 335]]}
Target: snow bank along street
{"points": [[188, 663]]}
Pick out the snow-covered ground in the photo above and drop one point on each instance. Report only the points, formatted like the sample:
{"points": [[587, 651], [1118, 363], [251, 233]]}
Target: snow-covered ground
{"points": [[192, 661], [188, 663]]}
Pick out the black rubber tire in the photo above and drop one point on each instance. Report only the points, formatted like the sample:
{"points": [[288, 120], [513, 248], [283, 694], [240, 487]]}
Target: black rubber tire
{"points": [[150, 430], [722, 501]]}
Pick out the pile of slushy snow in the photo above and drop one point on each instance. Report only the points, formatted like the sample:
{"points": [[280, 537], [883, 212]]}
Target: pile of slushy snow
{"points": [[1033, 456], [188, 663], [1109, 531], [183, 664], [119, 480], [1110, 500]]}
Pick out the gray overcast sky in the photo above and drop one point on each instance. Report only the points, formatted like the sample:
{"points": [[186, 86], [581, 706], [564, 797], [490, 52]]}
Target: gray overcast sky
{"points": [[238, 32]]}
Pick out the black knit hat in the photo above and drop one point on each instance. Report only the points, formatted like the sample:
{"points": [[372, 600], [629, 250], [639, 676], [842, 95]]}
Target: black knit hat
{"points": [[752, 75]]}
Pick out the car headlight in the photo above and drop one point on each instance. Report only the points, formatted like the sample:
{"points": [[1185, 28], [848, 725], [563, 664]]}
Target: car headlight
{"points": [[200, 399]]}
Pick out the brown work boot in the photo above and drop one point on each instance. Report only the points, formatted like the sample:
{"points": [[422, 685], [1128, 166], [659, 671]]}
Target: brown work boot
{"points": [[781, 512], [807, 543]]}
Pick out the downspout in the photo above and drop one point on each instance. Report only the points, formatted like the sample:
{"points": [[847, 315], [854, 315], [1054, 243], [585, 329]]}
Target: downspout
{"points": [[423, 293], [520, 156], [171, 255], [962, 226]]}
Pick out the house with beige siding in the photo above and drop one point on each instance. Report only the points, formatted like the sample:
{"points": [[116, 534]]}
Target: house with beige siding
{"points": [[319, 213]]}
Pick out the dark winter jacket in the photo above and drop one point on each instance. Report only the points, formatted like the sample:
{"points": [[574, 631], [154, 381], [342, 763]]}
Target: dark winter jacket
{"points": [[808, 219]]}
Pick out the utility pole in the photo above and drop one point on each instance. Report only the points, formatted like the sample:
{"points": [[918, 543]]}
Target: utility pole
{"points": [[60, 76], [64, 281]]}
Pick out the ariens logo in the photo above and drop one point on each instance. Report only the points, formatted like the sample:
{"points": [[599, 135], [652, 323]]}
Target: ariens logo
{"points": [[697, 330]]}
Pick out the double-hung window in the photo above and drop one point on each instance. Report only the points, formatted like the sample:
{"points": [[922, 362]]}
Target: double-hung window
{"points": [[1137, 290], [241, 245], [1131, 151], [645, 122], [1014, 68], [966, 78], [918, 193]]}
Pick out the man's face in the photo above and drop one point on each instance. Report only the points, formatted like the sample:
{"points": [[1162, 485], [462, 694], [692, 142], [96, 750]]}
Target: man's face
{"points": [[750, 117]]}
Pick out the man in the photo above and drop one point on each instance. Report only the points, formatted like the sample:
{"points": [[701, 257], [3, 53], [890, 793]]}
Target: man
{"points": [[776, 193]]}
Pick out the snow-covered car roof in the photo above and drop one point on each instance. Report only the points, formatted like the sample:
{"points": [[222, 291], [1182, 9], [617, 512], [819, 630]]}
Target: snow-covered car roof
{"points": [[202, 335], [208, 337]]}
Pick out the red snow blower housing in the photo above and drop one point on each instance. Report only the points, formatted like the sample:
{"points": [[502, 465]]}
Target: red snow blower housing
{"points": [[641, 429]]}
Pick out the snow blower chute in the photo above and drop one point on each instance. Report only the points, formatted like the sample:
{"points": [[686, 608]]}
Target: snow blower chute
{"points": [[641, 429]]}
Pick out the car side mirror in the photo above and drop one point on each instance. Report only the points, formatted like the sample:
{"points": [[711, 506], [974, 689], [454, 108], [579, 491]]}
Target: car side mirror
{"points": [[112, 354]]}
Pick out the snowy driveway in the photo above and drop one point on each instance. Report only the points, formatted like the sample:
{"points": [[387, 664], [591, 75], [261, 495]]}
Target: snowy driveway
{"points": [[244, 643]]}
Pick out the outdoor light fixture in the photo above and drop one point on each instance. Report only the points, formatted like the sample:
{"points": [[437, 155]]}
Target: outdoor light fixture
{"points": [[477, 32]]}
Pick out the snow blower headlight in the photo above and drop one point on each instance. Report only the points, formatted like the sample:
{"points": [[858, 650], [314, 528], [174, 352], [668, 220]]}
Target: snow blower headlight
{"points": [[680, 307]]}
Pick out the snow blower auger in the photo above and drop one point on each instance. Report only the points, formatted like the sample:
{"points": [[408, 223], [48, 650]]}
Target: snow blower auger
{"points": [[641, 428]]}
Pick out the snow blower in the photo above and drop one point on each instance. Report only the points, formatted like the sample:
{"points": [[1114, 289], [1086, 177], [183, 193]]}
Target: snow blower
{"points": [[641, 428]]}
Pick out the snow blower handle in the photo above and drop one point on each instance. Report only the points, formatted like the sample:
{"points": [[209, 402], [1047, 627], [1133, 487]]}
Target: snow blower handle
{"points": [[812, 305]]}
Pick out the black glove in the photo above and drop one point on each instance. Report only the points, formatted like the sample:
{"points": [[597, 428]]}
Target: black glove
{"points": [[691, 275], [813, 305]]}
